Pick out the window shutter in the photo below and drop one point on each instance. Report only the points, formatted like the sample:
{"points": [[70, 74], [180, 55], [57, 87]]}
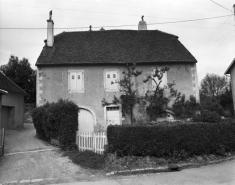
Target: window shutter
{"points": [[114, 85], [72, 80], [79, 81]]}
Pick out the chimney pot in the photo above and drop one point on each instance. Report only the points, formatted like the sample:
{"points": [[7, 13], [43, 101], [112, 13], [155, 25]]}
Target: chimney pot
{"points": [[142, 24]]}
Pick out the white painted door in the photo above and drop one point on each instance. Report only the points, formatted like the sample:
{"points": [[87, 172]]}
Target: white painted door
{"points": [[85, 121], [113, 116]]}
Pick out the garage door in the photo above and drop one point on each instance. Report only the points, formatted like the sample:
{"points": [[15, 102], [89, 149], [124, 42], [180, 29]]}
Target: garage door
{"points": [[86, 121], [8, 117]]}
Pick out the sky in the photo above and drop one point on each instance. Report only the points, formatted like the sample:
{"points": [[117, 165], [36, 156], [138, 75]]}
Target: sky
{"points": [[210, 41]]}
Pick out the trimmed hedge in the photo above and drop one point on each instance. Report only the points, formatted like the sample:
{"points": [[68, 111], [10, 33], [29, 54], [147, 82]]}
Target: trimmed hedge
{"points": [[171, 140], [57, 120]]}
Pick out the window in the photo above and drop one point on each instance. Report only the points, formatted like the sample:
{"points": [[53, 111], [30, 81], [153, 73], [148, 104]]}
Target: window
{"points": [[76, 81], [111, 77], [163, 83]]}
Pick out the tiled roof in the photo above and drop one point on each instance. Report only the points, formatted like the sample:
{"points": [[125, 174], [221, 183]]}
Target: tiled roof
{"points": [[8, 85], [114, 46]]}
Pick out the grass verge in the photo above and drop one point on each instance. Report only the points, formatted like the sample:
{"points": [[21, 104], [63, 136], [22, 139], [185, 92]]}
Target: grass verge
{"points": [[87, 159]]}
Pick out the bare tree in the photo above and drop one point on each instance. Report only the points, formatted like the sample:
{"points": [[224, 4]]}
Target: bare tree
{"points": [[214, 85]]}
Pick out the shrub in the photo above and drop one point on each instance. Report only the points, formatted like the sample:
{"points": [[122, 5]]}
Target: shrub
{"points": [[207, 116], [171, 141], [185, 109], [57, 120], [214, 107], [39, 117]]}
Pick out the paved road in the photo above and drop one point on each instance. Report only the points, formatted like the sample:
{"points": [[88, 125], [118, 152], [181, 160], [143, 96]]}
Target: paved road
{"points": [[217, 174]]}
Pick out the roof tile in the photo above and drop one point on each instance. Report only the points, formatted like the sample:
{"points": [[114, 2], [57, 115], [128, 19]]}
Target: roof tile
{"points": [[8, 85], [114, 46]]}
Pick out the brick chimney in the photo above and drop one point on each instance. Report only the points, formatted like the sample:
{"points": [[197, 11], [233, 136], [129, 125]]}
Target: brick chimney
{"points": [[142, 24], [50, 31]]}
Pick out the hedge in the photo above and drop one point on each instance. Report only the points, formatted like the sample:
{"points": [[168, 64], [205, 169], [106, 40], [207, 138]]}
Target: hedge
{"points": [[57, 120], [167, 141]]}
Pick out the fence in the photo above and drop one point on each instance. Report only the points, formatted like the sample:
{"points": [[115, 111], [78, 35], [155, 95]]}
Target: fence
{"points": [[2, 135], [94, 141]]}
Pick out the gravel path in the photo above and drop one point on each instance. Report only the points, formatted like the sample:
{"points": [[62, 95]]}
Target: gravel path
{"points": [[23, 160]]}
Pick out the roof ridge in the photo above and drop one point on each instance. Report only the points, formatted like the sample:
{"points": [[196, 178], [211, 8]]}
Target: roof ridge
{"points": [[116, 30]]}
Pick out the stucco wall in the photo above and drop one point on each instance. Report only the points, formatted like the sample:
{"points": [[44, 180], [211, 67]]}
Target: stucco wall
{"points": [[52, 84], [16, 101]]}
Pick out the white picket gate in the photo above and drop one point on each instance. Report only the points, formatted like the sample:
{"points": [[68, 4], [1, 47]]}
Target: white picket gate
{"points": [[93, 141]]}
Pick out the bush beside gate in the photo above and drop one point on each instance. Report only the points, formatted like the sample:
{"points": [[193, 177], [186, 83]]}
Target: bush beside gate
{"points": [[171, 140], [57, 121]]}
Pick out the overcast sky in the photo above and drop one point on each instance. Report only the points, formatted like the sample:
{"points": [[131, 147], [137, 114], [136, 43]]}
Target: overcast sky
{"points": [[211, 41]]}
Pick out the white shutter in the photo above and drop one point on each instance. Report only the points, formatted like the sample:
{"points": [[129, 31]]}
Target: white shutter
{"points": [[72, 81], [114, 85], [79, 80], [108, 79]]}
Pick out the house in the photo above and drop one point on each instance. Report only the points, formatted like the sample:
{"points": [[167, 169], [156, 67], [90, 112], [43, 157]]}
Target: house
{"points": [[12, 104], [81, 66], [231, 70]]}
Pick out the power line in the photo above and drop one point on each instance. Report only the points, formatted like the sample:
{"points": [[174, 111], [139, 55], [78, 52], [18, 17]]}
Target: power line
{"points": [[81, 18], [129, 25], [93, 4], [221, 5]]}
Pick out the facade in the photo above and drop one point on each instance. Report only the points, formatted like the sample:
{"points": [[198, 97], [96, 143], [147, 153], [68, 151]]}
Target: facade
{"points": [[231, 71], [81, 66], [12, 104]]}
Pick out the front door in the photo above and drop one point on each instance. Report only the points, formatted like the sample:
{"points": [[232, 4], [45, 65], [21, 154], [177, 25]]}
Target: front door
{"points": [[85, 121], [113, 115]]}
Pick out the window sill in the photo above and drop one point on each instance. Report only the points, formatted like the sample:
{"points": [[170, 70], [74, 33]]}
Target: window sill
{"points": [[77, 91], [111, 90]]}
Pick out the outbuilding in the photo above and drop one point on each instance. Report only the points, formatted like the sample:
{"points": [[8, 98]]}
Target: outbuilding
{"points": [[12, 104]]}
